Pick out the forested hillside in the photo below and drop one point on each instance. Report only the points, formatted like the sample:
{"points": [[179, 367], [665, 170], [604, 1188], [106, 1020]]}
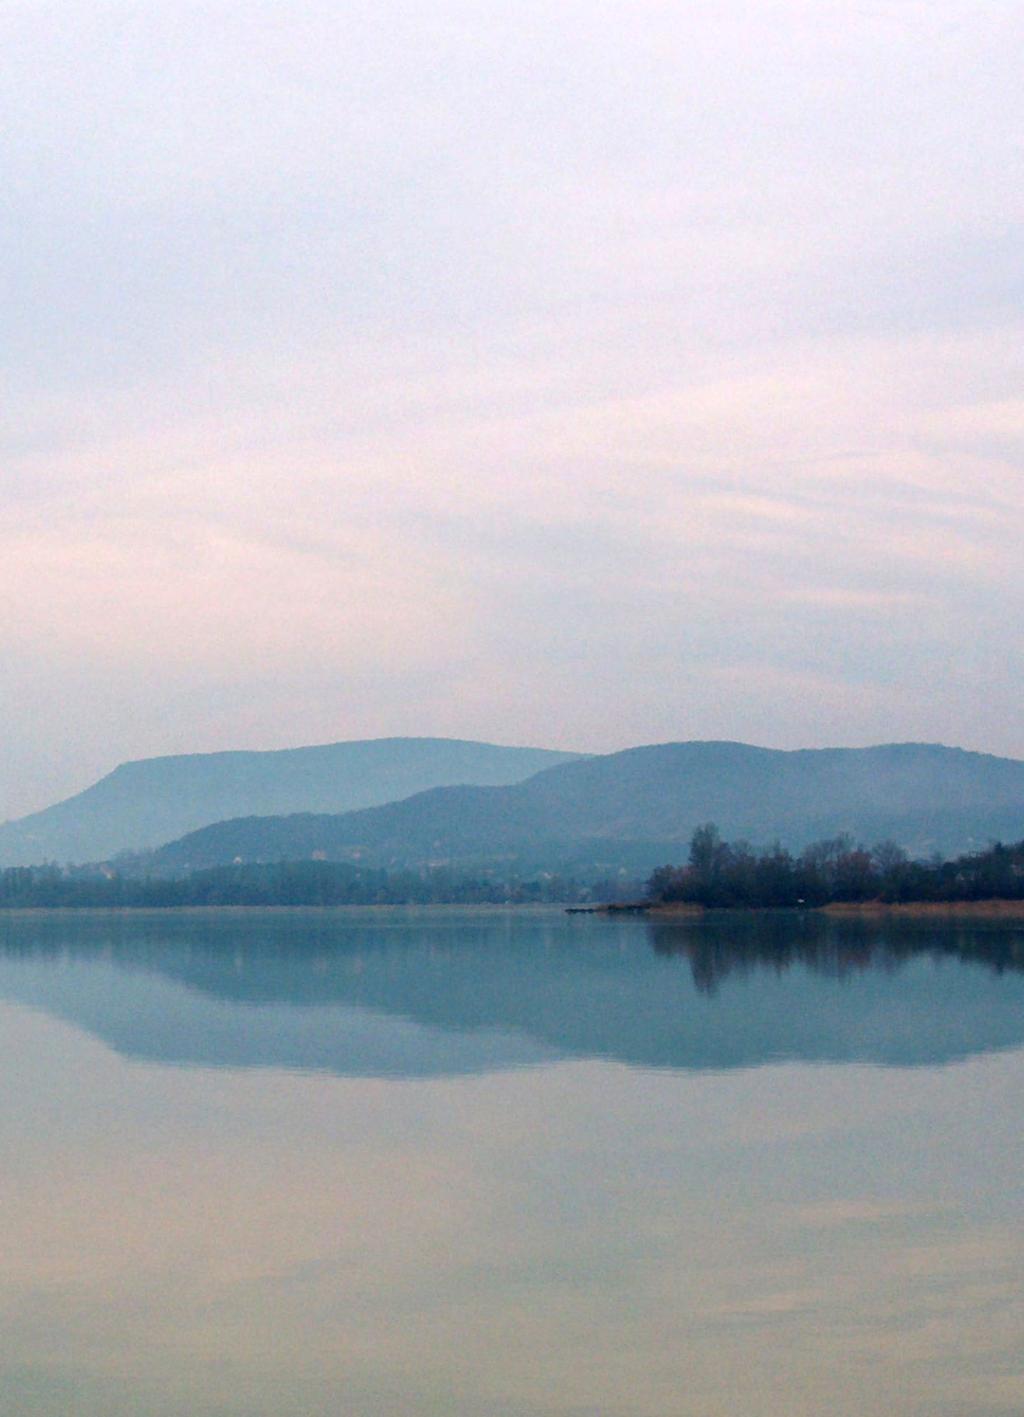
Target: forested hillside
{"points": [[142, 804], [636, 808]]}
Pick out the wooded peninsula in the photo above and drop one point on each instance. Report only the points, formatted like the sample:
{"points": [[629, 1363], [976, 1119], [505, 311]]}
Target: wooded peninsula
{"points": [[834, 872]]}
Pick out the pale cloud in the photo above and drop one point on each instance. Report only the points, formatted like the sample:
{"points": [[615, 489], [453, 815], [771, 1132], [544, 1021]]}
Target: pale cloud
{"points": [[540, 372]]}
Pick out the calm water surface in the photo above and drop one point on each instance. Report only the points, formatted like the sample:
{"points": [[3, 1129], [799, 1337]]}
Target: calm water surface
{"points": [[489, 1164]]}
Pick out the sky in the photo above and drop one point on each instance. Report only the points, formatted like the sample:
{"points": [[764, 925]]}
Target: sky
{"points": [[575, 374]]}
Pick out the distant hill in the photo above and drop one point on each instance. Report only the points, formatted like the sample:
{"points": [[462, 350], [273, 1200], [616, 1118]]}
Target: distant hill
{"points": [[141, 804], [638, 808]]}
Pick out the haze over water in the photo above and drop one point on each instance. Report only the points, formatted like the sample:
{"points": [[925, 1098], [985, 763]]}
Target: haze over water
{"points": [[515, 1163]]}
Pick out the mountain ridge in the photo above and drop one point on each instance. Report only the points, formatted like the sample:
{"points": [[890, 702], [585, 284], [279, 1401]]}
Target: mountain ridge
{"points": [[635, 806], [146, 801]]}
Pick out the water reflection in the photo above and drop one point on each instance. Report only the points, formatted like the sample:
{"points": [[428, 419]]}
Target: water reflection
{"points": [[376, 1210], [428, 993], [725, 943]]}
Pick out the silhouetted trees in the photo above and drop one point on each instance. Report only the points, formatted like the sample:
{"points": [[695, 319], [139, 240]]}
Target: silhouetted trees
{"points": [[717, 873], [720, 873]]}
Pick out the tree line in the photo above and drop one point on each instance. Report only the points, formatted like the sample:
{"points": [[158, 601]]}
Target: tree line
{"points": [[717, 873], [721, 873], [284, 883]]}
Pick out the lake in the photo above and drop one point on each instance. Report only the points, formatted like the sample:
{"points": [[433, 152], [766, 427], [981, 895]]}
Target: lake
{"points": [[462, 1163]]}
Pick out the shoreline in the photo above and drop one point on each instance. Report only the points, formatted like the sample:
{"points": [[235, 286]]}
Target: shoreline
{"points": [[994, 909]]}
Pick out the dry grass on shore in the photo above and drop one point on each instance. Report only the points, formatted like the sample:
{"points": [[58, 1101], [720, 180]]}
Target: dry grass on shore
{"points": [[970, 909], [918, 909]]}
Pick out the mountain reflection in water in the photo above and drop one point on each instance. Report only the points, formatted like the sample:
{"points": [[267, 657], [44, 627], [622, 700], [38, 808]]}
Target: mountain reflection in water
{"points": [[439, 992]]}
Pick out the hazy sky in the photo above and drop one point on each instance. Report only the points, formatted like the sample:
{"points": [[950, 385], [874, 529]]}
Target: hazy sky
{"points": [[570, 373]]}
